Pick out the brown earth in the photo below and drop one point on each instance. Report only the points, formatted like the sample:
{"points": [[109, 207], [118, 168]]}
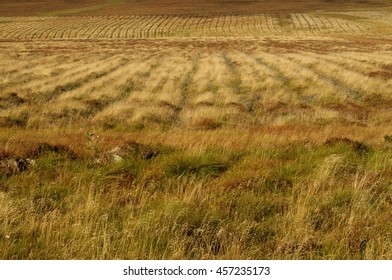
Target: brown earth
{"points": [[131, 7]]}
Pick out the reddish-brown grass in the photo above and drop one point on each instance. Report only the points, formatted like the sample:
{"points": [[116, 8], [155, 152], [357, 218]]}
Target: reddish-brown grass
{"points": [[106, 7]]}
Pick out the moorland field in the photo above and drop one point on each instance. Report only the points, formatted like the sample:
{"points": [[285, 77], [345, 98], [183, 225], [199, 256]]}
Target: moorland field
{"points": [[196, 129]]}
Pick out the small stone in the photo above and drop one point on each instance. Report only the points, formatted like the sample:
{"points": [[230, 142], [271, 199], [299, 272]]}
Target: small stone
{"points": [[117, 158]]}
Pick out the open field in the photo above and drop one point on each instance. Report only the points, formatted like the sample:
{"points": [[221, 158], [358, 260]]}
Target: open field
{"points": [[172, 84], [371, 23], [194, 136]]}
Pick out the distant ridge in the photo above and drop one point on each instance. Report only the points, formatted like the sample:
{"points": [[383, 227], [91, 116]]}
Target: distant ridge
{"points": [[157, 7]]}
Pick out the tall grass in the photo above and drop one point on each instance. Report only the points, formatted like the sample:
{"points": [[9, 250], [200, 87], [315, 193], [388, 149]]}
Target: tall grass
{"points": [[280, 201]]}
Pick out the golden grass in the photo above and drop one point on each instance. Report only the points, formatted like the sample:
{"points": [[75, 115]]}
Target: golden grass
{"points": [[159, 26], [180, 148]]}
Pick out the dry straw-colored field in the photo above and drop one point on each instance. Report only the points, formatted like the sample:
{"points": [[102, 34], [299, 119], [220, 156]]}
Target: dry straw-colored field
{"points": [[376, 23], [249, 136]]}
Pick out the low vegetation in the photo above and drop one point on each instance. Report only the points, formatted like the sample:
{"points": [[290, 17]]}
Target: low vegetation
{"points": [[165, 197], [255, 136]]}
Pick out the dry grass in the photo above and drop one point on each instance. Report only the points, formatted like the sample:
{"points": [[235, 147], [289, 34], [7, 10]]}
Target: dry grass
{"points": [[159, 26], [237, 147], [249, 85]]}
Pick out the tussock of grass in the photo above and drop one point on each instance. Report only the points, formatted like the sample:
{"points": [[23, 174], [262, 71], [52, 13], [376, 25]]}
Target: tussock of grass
{"points": [[199, 165], [44, 148], [11, 100], [207, 123], [15, 120]]}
